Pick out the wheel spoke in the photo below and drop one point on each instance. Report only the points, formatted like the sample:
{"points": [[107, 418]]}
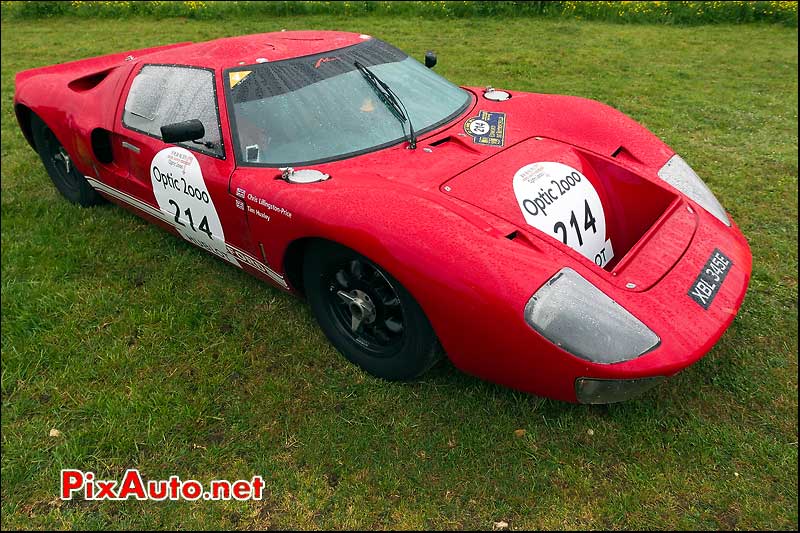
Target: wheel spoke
{"points": [[343, 279], [355, 322], [357, 269], [393, 325], [390, 300], [381, 336]]}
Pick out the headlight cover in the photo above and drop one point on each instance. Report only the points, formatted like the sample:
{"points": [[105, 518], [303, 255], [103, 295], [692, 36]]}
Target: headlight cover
{"points": [[680, 175], [578, 317]]}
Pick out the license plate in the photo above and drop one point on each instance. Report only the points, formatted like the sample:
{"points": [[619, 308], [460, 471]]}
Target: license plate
{"points": [[707, 285]]}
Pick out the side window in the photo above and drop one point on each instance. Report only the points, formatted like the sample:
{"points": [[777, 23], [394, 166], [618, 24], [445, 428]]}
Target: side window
{"points": [[162, 94]]}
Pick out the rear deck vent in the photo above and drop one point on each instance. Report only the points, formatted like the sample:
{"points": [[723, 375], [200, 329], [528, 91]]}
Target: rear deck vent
{"points": [[89, 82]]}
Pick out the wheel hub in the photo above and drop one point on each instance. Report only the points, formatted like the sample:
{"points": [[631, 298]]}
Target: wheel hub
{"points": [[362, 310], [365, 306], [63, 158]]}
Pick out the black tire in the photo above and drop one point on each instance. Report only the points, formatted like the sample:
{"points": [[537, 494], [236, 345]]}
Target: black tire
{"points": [[69, 182], [398, 343]]}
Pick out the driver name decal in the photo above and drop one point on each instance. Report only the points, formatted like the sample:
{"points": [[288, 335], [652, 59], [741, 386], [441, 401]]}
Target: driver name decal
{"points": [[182, 195], [561, 202], [487, 128]]}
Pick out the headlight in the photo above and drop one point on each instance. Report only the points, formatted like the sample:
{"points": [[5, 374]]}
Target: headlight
{"points": [[576, 316], [680, 175]]}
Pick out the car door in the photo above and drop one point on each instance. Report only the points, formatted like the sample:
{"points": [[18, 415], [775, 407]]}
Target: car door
{"points": [[182, 186]]}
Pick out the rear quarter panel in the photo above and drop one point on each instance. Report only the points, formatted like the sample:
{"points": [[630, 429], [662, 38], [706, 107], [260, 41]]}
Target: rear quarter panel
{"points": [[73, 109]]}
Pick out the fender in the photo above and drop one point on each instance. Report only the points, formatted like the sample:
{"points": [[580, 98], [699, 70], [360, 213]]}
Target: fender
{"points": [[441, 277]]}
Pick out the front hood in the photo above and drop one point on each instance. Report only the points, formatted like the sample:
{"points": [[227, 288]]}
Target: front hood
{"points": [[489, 128], [580, 122], [588, 206], [487, 158]]}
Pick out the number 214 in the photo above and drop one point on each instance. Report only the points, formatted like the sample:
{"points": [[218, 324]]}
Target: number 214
{"points": [[203, 223], [588, 222]]}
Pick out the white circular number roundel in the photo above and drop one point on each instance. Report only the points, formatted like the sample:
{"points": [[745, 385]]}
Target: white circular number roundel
{"points": [[182, 195], [559, 201], [479, 127]]}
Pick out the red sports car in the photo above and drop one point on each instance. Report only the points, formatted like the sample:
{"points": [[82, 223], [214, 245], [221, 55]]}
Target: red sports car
{"points": [[548, 243]]}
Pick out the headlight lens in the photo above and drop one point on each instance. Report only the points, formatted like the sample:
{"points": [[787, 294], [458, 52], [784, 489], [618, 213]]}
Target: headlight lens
{"points": [[576, 316], [680, 175]]}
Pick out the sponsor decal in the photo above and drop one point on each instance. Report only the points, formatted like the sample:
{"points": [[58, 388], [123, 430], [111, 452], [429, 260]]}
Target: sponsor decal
{"points": [[270, 207], [487, 128], [251, 261], [707, 284], [561, 202], [240, 255], [322, 60], [235, 78], [181, 192], [258, 213]]}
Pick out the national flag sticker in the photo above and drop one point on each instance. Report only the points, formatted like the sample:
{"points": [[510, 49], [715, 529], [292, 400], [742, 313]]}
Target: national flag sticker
{"points": [[487, 128]]}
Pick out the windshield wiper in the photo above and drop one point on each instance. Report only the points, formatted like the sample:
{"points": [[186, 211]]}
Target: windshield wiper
{"points": [[390, 100]]}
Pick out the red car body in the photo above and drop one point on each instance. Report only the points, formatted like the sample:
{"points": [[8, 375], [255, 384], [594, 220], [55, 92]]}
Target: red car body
{"points": [[442, 218]]}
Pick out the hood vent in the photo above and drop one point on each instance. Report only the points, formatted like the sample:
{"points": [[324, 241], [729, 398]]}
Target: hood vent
{"points": [[623, 154]]}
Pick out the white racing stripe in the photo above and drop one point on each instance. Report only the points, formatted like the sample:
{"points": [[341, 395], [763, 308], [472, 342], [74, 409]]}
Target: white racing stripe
{"points": [[238, 253]]}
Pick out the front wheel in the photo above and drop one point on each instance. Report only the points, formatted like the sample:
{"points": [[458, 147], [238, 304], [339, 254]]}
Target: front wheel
{"points": [[69, 182], [367, 314]]}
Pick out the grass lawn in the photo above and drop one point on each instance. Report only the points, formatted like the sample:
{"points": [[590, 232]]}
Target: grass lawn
{"points": [[145, 352]]}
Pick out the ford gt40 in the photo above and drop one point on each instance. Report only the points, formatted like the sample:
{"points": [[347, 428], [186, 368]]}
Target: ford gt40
{"points": [[547, 243]]}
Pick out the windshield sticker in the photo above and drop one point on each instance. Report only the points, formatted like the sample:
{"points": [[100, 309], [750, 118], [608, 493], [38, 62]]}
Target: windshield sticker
{"points": [[235, 77], [487, 128], [561, 202], [322, 60], [182, 195]]}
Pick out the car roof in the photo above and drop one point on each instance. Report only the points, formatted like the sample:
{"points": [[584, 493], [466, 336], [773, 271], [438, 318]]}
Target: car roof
{"points": [[249, 49]]}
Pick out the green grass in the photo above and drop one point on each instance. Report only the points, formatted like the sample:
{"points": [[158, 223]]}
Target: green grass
{"points": [[147, 353], [673, 12]]}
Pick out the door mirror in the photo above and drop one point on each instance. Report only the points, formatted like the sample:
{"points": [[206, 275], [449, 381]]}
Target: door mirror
{"points": [[430, 59], [189, 130]]}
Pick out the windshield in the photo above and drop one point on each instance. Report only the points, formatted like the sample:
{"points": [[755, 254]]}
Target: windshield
{"points": [[319, 108]]}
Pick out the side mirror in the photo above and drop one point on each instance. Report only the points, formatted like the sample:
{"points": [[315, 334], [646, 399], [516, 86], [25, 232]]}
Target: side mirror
{"points": [[189, 130], [430, 59]]}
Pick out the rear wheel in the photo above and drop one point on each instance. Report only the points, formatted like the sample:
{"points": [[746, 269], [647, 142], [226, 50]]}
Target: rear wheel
{"points": [[367, 314], [67, 179]]}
